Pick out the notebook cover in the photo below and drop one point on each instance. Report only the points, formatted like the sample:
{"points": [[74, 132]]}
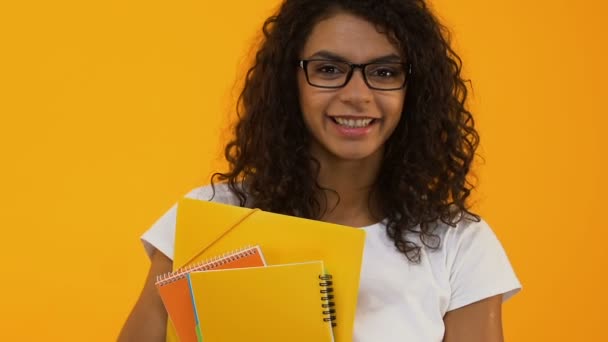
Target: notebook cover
{"points": [[207, 228], [275, 303], [174, 288]]}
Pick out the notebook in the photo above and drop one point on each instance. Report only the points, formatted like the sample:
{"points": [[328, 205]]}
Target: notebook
{"points": [[207, 228], [280, 303], [174, 288]]}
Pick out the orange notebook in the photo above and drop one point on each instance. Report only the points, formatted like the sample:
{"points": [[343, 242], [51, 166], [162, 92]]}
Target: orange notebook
{"points": [[174, 288]]}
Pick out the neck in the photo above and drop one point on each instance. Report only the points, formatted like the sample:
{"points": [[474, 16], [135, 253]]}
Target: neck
{"points": [[350, 184]]}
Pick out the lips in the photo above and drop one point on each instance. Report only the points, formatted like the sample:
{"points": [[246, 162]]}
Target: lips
{"points": [[353, 127], [353, 121]]}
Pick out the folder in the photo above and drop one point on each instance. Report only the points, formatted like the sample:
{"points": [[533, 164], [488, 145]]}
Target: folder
{"points": [[174, 288], [205, 229], [275, 303]]}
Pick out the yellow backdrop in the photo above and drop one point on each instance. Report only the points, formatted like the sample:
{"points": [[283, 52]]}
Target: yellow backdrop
{"points": [[111, 110]]}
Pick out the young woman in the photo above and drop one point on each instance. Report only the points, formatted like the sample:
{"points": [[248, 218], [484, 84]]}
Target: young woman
{"points": [[354, 112]]}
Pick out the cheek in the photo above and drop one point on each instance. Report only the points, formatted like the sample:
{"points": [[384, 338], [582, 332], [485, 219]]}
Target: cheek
{"points": [[392, 105], [311, 101]]}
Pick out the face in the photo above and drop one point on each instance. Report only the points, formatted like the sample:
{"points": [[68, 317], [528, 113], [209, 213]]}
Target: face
{"points": [[352, 122]]}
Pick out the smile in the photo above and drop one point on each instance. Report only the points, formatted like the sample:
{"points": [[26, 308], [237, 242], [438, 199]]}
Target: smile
{"points": [[353, 123]]}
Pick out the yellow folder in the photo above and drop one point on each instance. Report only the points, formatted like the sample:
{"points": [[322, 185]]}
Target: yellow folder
{"points": [[275, 303], [205, 229]]}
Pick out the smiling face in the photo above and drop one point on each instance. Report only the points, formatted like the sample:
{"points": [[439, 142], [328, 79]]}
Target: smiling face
{"points": [[352, 122]]}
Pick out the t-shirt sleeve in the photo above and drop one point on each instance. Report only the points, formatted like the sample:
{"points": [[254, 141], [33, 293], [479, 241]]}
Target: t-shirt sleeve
{"points": [[479, 266], [161, 235]]}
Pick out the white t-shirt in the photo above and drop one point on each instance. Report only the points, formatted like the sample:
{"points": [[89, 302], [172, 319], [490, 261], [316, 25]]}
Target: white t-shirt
{"points": [[399, 300]]}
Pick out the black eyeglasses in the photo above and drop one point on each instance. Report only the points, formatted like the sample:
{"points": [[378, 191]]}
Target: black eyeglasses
{"points": [[332, 74]]}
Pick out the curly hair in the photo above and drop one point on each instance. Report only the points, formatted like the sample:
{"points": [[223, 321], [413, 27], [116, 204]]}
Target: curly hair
{"points": [[426, 160]]}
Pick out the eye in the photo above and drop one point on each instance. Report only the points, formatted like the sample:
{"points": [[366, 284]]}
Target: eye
{"points": [[385, 72], [328, 69]]}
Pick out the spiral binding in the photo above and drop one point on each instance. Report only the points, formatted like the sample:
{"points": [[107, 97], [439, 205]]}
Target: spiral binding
{"points": [[205, 265], [327, 297]]}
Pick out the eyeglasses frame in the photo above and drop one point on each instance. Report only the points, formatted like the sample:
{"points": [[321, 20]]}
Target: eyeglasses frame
{"points": [[303, 63]]}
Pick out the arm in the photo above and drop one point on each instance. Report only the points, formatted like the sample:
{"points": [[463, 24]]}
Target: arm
{"points": [[148, 319], [477, 322]]}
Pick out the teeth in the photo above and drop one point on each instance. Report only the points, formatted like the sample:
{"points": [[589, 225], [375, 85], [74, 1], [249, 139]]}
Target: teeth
{"points": [[350, 123]]}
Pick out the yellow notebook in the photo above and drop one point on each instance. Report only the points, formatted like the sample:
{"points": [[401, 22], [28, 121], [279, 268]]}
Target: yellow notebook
{"points": [[205, 229], [275, 303]]}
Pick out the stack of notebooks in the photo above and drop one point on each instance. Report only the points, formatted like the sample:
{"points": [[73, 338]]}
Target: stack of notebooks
{"points": [[298, 282]]}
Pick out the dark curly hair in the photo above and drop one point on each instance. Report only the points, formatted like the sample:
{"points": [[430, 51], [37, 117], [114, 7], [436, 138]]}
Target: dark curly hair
{"points": [[426, 160]]}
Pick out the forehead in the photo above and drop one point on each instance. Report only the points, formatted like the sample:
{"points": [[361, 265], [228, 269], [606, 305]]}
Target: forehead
{"points": [[350, 36]]}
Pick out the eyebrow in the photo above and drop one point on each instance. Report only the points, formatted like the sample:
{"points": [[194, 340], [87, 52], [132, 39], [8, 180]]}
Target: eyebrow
{"points": [[390, 58]]}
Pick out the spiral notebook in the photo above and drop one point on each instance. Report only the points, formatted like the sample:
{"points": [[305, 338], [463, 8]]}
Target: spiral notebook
{"points": [[174, 288], [290, 302], [205, 229]]}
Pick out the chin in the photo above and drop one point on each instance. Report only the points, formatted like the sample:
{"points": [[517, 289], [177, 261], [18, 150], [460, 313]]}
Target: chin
{"points": [[358, 155], [351, 151]]}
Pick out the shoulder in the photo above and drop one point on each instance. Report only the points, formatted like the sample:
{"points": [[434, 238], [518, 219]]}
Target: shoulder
{"points": [[161, 235], [467, 232], [447, 239], [220, 193], [470, 238]]}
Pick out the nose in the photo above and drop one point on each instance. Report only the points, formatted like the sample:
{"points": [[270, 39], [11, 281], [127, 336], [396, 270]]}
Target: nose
{"points": [[356, 90]]}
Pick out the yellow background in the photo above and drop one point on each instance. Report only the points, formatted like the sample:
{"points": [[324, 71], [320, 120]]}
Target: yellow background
{"points": [[111, 110]]}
